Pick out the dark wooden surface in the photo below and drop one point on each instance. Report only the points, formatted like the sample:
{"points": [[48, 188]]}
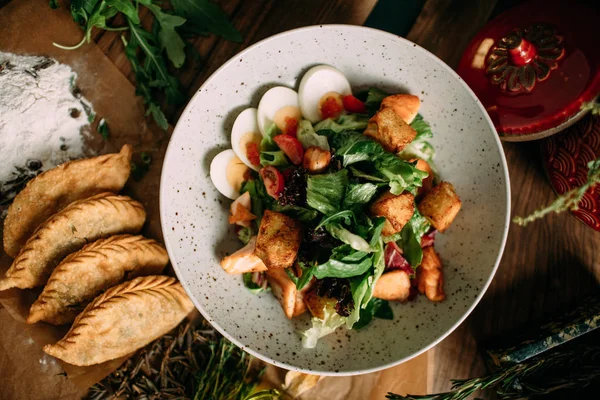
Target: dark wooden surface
{"points": [[546, 266]]}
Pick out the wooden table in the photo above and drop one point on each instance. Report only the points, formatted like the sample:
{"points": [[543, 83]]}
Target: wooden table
{"points": [[546, 266]]}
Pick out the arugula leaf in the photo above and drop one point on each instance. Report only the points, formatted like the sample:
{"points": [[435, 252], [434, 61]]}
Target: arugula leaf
{"points": [[168, 37], [378, 225], [411, 247], [374, 98], [346, 215], [291, 275], [351, 122], [359, 286], [359, 194], [260, 199], [308, 137], [276, 158], [338, 266], [127, 8], [376, 308], [366, 176], [300, 213], [204, 16], [325, 192]]}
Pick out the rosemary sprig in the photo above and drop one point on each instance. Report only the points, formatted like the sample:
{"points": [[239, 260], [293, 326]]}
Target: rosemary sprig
{"points": [[191, 362], [574, 367], [567, 201]]}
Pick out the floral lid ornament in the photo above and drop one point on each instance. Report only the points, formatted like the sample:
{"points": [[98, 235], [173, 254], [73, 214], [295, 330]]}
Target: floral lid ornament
{"points": [[534, 66]]}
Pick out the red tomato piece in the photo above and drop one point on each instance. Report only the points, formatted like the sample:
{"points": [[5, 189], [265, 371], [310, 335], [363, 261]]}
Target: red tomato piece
{"points": [[253, 153], [330, 108], [273, 181], [354, 105], [291, 126], [291, 147]]}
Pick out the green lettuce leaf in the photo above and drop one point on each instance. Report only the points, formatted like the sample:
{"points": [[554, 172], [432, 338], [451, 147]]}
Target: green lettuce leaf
{"points": [[275, 158], [420, 147], [300, 213], [374, 98], [353, 240], [351, 122], [251, 285], [308, 137], [267, 143], [322, 327], [245, 234], [325, 192], [358, 194], [376, 308]]}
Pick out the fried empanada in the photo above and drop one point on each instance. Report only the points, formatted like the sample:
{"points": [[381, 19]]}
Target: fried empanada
{"points": [[122, 320], [54, 189], [69, 230], [82, 276]]}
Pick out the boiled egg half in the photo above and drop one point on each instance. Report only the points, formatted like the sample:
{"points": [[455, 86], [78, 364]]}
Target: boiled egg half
{"points": [[279, 106], [321, 91], [227, 173], [245, 138]]}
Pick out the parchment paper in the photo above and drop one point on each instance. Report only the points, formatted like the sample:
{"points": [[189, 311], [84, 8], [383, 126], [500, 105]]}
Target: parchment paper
{"points": [[30, 27]]}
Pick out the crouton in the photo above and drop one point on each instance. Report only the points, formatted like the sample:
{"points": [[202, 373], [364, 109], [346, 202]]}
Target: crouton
{"points": [[239, 212], [316, 159], [284, 290], [316, 304], [405, 105], [427, 182], [387, 128], [278, 241], [393, 285], [244, 260], [440, 206], [397, 210], [430, 277]]}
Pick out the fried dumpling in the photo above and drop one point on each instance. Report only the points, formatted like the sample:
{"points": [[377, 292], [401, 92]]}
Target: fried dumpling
{"points": [[122, 320], [81, 222], [83, 275], [54, 189]]}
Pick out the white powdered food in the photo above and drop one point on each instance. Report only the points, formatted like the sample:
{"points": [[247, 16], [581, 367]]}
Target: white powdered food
{"points": [[42, 117]]}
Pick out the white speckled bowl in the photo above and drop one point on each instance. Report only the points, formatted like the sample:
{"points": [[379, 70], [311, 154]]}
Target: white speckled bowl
{"points": [[194, 214]]}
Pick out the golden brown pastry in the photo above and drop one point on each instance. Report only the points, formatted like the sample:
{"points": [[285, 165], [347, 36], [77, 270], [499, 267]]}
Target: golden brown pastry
{"points": [[84, 275], [69, 230], [122, 320], [54, 189]]}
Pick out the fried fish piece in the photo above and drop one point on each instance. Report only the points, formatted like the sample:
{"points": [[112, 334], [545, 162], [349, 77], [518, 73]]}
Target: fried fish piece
{"points": [[85, 274], [83, 221], [54, 189], [122, 320]]}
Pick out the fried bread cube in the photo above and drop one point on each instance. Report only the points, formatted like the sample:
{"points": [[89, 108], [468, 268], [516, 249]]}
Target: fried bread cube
{"points": [[390, 130], [405, 105], [430, 277], [393, 285], [278, 241], [440, 206], [316, 304], [397, 210]]}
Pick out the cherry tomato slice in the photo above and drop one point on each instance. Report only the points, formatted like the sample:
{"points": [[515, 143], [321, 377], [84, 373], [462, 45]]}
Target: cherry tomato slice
{"points": [[273, 181], [253, 153], [291, 126], [354, 105], [291, 147]]}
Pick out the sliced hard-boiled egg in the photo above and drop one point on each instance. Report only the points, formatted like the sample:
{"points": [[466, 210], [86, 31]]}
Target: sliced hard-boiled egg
{"points": [[320, 93], [228, 173], [279, 105], [245, 138]]}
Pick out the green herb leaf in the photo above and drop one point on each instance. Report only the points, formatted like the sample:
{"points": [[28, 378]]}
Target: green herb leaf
{"points": [[325, 192], [346, 215], [103, 129], [204, 16]]}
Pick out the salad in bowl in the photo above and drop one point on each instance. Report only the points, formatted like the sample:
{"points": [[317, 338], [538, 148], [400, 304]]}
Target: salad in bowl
{"points": [[336, 202]]}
